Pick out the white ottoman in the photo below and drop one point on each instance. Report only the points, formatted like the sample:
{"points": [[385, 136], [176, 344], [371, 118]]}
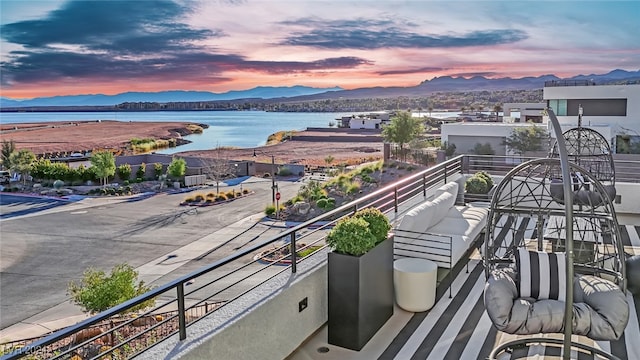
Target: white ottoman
{"points": [[415, 283]]}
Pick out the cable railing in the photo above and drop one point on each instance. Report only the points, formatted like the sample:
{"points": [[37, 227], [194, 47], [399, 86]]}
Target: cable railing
{"points": [[184, 301]]}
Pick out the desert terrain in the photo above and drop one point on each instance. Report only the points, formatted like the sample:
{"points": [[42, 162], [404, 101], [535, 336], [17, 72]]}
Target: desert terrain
{"points": [[82, 136], [306, 147]]}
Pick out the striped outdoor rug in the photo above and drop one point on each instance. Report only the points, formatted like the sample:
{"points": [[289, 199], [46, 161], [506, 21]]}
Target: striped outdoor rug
{"points": [[459, 328]]}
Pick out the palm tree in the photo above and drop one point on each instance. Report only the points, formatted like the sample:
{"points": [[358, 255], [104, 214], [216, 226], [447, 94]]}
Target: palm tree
{"points": [[430, 110], [497, 108]]}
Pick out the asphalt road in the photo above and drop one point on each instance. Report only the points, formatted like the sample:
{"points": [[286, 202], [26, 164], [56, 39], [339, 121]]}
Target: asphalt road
{"points": [[44, 244]]}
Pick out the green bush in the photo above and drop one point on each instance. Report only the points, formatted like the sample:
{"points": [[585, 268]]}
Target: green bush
{"points": [[142, 169], [98, 291], [485, 175], [378, 222], [270, 210], [476, 185], [367, 179], [352, 188], [124, 172], [177, 167], [351, 236], [357, 234], [479, 183], [157, 169], [326, 203]]}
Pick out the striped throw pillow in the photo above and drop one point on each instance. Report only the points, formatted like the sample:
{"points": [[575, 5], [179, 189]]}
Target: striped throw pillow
{"points": [[541, 275]]}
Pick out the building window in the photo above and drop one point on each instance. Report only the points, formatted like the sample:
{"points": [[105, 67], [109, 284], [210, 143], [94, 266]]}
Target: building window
{"points": [[591, 107], [559, 107], [597, 107]]}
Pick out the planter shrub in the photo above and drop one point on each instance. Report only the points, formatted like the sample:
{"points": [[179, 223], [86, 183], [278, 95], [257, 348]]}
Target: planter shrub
{"points": [[360, 278], [476, 185]]}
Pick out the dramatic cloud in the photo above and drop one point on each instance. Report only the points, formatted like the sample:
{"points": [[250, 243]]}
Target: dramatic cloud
{"points": [[93, 39], [60, 47], [376, 34], [113, 26]]}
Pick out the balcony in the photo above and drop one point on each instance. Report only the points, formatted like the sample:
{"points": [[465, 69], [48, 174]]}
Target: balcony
{"points": [[246, 307]]}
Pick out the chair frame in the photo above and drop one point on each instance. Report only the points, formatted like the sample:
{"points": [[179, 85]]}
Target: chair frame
{"points": [[516, 203]]}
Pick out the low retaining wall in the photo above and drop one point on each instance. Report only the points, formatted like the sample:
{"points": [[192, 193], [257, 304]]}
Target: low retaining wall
{"points": [[263, 324]]}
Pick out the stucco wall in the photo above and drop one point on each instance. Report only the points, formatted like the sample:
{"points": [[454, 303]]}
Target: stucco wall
{"points": [[263, 324]]}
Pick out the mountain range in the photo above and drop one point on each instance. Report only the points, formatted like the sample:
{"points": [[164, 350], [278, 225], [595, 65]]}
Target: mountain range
{"points": [[437, 84]]}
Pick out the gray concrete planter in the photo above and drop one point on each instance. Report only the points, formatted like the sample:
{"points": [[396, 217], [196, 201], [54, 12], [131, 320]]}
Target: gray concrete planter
{"points": [[360, 295]]}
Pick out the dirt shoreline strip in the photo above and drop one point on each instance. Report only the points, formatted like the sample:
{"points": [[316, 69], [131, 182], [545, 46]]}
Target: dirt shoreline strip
{"points": [[82, 136], [306, 147]]}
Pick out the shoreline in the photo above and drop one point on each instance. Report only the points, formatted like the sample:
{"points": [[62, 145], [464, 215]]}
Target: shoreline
{"points": [[89, 135], [307, 147]]}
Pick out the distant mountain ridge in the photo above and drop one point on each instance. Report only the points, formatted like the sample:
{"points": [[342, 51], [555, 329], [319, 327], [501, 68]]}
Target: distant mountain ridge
{"points": [[262, 92], [301, 93]]}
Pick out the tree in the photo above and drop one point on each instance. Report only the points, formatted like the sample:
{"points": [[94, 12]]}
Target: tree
{"points": [[177, 168], [22, 162], [97, 292], [497, 108], [449, 149], [104, 165], [402, 129], [217, 168], [8, 148], [524, 139]]}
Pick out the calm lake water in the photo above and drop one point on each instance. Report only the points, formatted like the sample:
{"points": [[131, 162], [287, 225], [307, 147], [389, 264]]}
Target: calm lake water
{"points": [[226, 128]]}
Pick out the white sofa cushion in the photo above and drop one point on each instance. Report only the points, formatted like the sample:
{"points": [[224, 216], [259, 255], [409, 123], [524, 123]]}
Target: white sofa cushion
{"points": [[418, 219], [439, 230], [463, 224], [443, 204], [450, 187]]}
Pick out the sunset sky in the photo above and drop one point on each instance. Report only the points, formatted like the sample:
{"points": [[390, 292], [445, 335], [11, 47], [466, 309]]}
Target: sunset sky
{"points": [[54, 47]]}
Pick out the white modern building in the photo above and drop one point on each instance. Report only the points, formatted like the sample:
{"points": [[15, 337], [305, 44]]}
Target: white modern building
{"points": [[364, 123], [523, 112], [372, 120], [616, 107], [611, 110]]}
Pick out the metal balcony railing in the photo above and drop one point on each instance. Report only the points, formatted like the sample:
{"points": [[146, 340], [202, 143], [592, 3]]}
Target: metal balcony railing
{"points": [[189, 298], [212, 287]]}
